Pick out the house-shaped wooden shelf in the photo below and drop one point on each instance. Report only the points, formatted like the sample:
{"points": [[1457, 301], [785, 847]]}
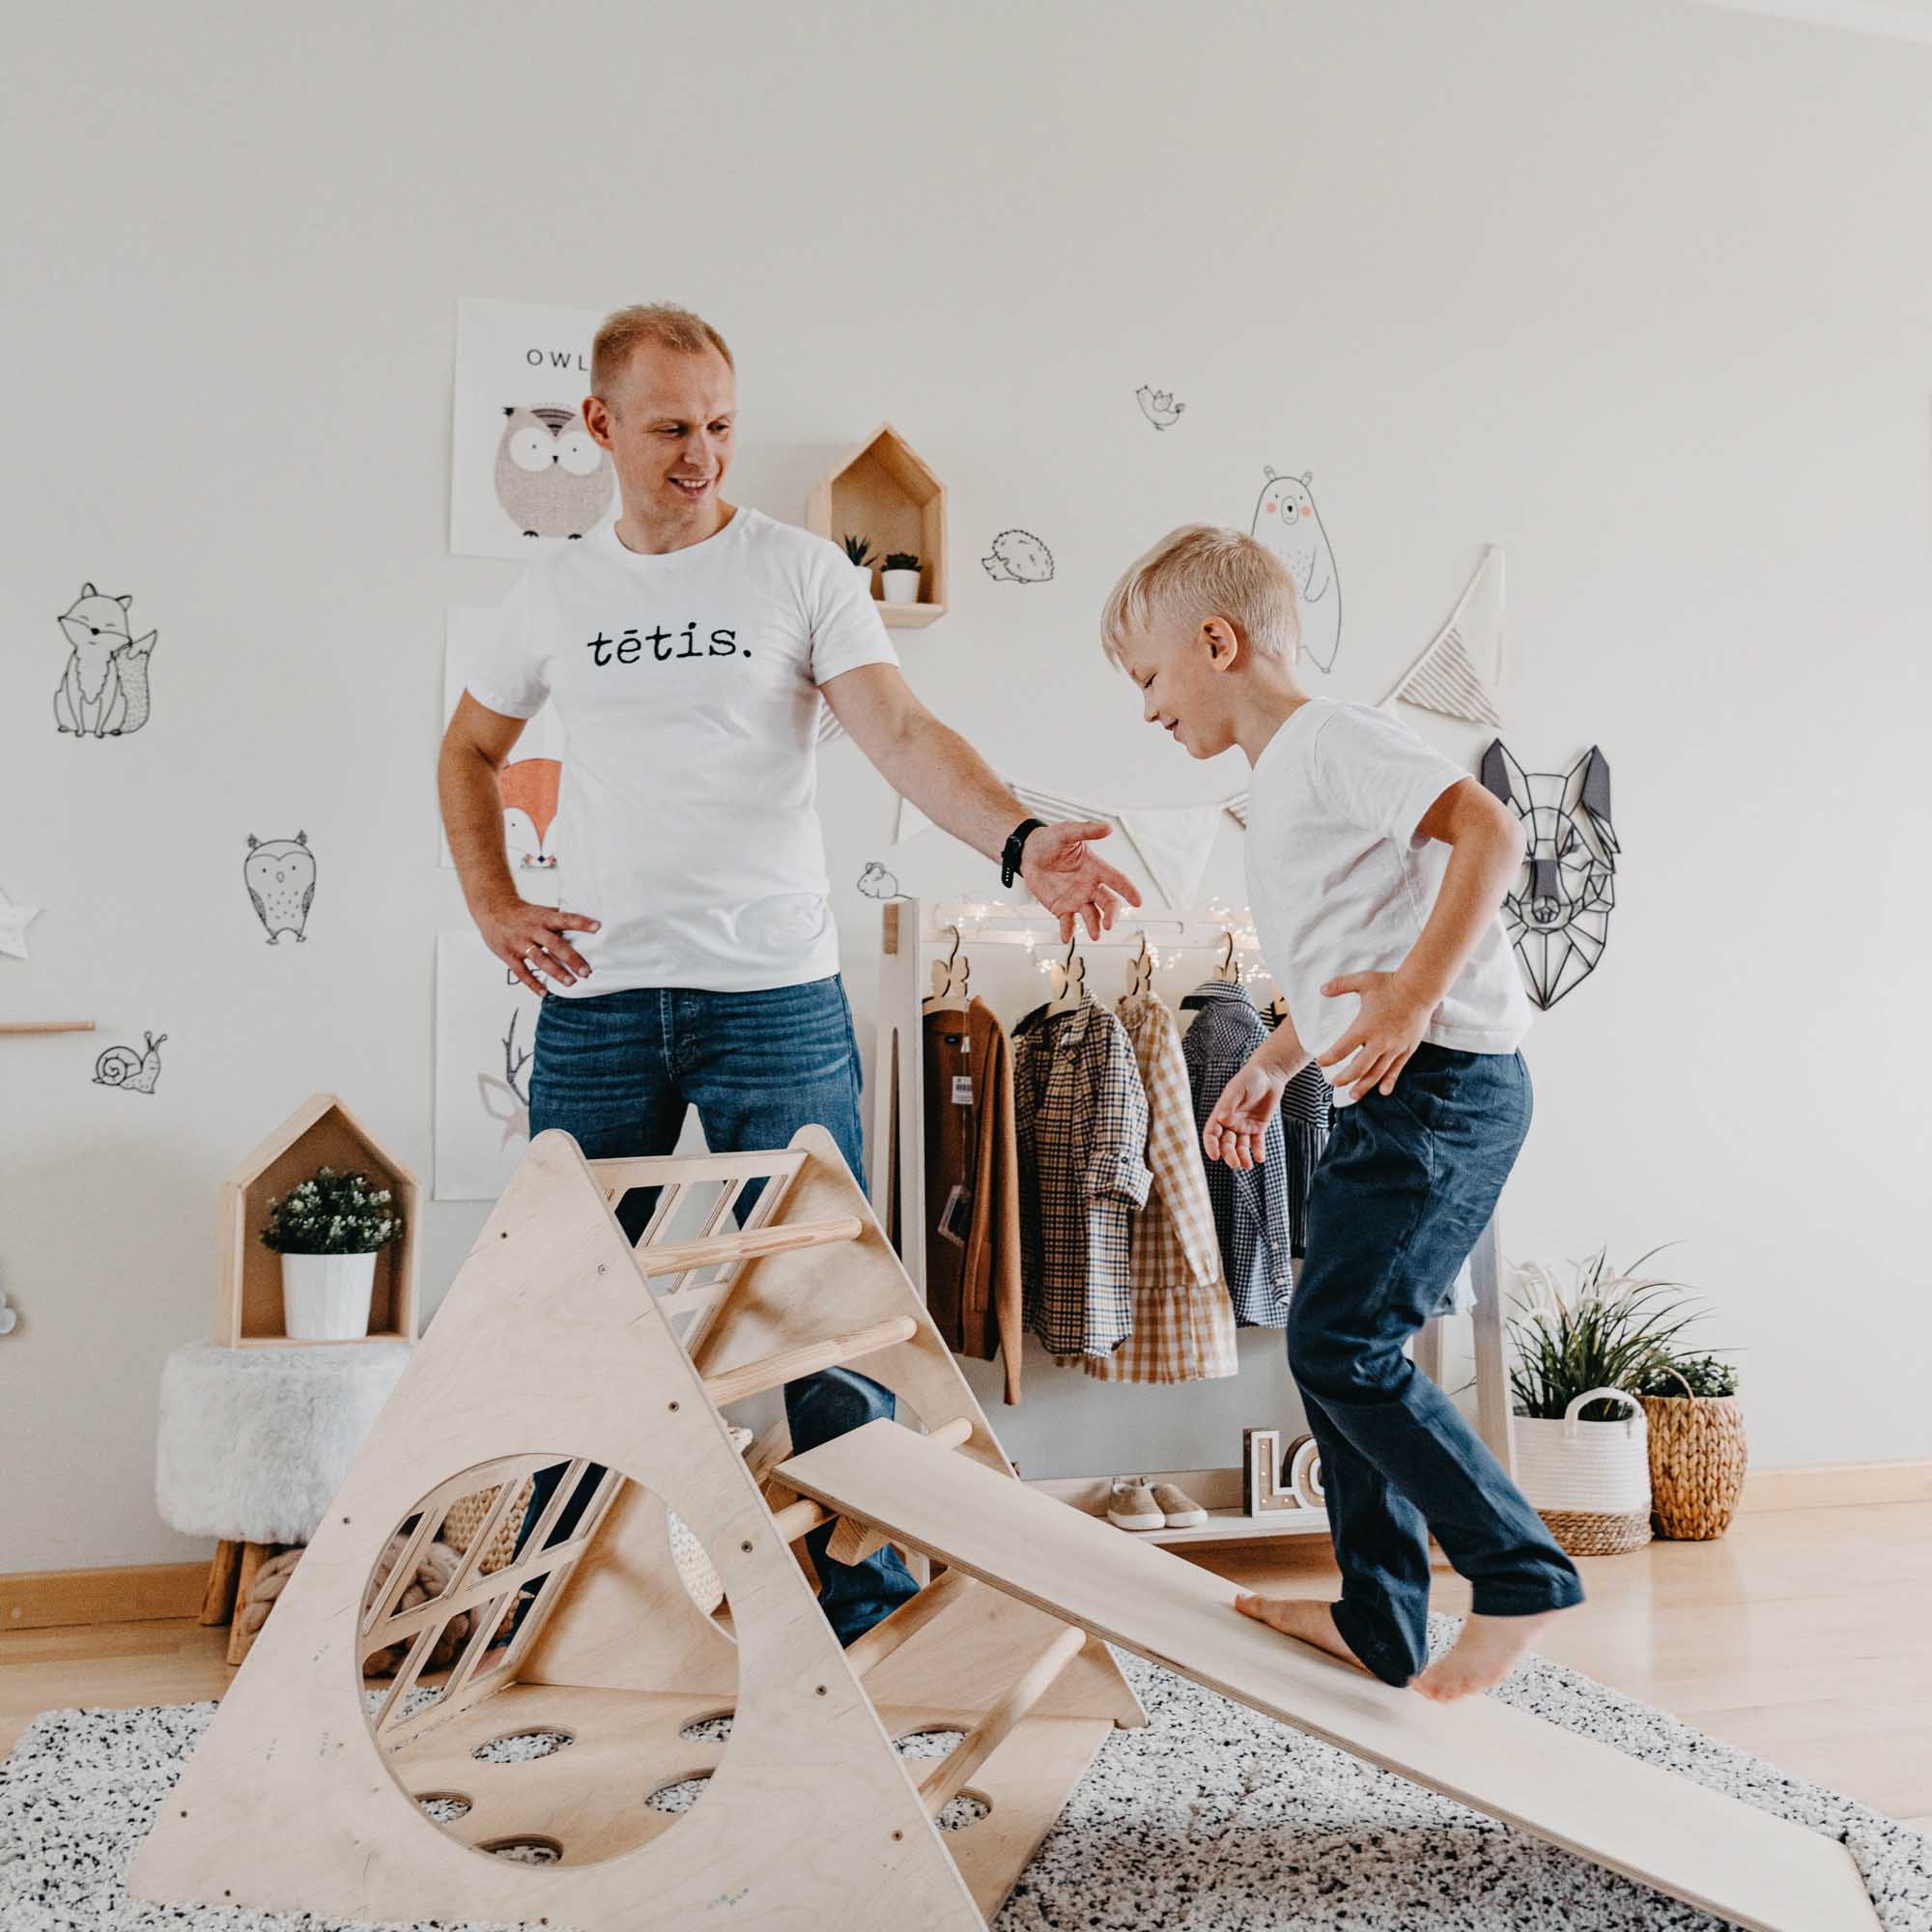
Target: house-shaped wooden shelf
{"points": [[321, 1132], [883, 493]]}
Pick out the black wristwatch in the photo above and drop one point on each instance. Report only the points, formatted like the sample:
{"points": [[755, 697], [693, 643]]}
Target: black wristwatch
{"points": [[1010, 856]]}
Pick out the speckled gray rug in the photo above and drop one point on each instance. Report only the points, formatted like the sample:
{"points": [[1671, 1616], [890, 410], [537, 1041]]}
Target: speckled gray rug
{"points": [[1211, 1819]]}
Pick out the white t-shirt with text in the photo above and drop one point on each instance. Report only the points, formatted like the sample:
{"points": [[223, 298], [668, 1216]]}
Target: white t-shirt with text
{"points": [[1339, 881], [687, 685]]}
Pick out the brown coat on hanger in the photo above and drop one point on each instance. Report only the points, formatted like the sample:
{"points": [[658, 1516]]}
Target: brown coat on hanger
{"points": [[972, 1169]]}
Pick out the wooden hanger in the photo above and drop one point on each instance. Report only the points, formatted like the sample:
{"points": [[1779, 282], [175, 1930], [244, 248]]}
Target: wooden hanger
{"points": [[1276, 1008], [1139, 975], [1226, 972], [1070, 980], [951, 982]]}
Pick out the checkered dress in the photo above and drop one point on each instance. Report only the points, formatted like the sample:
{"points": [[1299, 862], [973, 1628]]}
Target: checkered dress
{"points": [[1082, 1120], [1251, 1204], [1183, 1322]]}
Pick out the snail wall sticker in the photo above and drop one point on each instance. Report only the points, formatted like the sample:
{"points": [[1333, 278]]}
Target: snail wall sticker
{"points": [[1018, 557], [280, 877], [1557, 912], [1158, 406], [133, 1073], [103, 692], [1287, 522]]}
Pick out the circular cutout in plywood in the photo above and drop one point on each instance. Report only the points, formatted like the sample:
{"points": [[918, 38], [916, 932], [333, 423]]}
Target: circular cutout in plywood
{"points": [[933, 1742], [964, 1811], [456, 1626]]}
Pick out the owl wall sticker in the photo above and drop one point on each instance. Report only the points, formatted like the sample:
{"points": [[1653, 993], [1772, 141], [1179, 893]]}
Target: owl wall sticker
{"points": [[1287, 522], [554, 478], [280, 877]]}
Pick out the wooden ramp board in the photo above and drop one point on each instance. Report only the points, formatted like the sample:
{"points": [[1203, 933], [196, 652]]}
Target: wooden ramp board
{"points": [[1712, 1851]]}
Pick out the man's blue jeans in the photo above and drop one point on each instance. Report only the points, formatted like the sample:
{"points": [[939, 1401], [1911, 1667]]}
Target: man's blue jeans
{"points": [[617, 1071], [1406, 1185]]}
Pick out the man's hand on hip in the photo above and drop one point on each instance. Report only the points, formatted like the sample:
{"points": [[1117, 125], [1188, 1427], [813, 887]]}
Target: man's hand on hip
{"points": [[529, 939], [1064, 876]]}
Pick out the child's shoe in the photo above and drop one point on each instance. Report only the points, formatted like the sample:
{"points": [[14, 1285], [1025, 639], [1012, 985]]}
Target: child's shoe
{"points": [[1179, 1509], [1131, 1505]]}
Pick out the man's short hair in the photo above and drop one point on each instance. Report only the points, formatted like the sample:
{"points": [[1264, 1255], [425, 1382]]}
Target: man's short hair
{"points": [[1204, 570], [662, 323]]}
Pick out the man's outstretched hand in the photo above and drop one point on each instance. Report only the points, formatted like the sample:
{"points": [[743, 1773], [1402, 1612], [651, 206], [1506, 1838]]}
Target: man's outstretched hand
{"points": [[1064, 875]]}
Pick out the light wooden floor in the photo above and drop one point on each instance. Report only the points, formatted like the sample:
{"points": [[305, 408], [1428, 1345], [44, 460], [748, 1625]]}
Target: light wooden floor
{"points": [[1799, 1636]]}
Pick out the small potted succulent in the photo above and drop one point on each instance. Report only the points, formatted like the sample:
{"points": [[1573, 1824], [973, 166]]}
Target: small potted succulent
{"points": [[1698, 1451], [859, 551], [329, 1229], [900, 577]]}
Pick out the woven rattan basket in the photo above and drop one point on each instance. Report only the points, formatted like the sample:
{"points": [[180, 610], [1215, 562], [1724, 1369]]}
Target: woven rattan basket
{"points": [[1698, 1459], [1588, 1481]]}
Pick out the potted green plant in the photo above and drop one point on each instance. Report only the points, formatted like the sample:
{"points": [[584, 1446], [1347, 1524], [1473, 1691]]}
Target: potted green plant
{"points": [[329, 1229], [1583, 1351], [898, 577], [1697, 1449], [858, 551]]}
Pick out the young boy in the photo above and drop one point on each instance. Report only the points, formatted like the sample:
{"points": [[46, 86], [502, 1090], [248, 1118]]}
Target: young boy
{"points": [[1375, 869]]}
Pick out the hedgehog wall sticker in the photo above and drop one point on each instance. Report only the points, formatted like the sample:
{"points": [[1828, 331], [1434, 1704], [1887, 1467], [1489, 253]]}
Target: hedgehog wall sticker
{"points": [[103, 692], [1018, 557], [1287, 521], [280, 876], [133, 1072], [1158, 406]]}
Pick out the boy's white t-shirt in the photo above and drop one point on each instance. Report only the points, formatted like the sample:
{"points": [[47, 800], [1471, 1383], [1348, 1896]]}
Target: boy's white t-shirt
{"points": [[1340, 882], [687, 685]]}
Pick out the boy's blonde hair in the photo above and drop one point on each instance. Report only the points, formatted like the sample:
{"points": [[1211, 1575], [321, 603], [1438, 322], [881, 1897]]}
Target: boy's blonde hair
{"points": [[1204, 570], [662, 323]]}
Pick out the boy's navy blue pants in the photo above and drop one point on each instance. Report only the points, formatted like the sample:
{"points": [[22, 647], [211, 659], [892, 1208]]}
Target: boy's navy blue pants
{"points": [[1406, 1185]]}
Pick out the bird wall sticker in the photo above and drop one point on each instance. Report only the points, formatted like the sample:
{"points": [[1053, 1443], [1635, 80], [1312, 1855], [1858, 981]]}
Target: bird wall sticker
{"points": [[1158, 406]]}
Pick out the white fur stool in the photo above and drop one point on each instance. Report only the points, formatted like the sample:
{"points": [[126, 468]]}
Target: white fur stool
{"points": [[253, 1444]]}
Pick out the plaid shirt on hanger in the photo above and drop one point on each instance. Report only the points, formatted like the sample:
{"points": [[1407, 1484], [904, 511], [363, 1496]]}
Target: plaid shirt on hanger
{"points": [[1183, 1323], [1082, 1119], [1251, 1204]]}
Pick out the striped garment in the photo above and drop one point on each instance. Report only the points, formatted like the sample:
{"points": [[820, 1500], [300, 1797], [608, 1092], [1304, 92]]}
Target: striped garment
{"points": [[1082, 1120], [1183, 1322], [1307, 1114], [1251, 1205]]}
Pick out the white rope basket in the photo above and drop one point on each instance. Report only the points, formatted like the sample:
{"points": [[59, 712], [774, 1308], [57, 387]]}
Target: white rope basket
{"points": [[1589, 1481]]}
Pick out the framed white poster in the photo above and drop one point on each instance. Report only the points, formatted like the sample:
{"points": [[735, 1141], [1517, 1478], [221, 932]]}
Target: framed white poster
{"points": [[485, 1037], [530, 783], [524, 475]]}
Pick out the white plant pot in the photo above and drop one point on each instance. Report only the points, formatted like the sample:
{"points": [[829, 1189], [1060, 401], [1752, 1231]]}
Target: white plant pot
{"points": [[902, 586], [325, 1297], [864, 571], [1590, 1469]]}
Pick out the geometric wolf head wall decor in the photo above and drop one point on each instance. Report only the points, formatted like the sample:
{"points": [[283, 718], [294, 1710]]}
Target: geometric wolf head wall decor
{"points": [[1558, 912]]}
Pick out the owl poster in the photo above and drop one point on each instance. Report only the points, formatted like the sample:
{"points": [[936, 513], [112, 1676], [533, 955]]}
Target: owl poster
{"points": [[531, 782], [524, 474], [485, 1034]]}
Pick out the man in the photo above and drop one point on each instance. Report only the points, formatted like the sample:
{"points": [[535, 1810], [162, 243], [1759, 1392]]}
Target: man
{"points": [[687, 647]]}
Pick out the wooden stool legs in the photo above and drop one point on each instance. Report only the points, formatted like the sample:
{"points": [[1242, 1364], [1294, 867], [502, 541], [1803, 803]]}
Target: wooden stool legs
{"points": [[229, 1578]]}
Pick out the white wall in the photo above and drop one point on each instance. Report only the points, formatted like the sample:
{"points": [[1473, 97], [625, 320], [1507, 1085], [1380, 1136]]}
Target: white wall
{"points": [[1637, 291]]}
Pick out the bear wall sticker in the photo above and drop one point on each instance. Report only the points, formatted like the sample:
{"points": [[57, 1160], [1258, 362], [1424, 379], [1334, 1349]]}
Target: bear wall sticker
{"points": [[280, 876], [1287, 521], [1558, 912], [103, 692]]}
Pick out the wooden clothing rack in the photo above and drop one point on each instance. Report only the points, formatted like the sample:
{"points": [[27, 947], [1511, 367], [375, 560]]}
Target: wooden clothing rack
{"points": [[911, 928]]}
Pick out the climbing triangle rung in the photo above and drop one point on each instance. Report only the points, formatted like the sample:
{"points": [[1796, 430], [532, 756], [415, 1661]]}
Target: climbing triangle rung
{"points": [[789, 1365], [948, 1780], [711, 1250]]}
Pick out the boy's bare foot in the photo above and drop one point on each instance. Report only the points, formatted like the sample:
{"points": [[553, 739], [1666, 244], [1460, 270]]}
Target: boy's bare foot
{"points": [[1303, 1617], [1481, 1657]]}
